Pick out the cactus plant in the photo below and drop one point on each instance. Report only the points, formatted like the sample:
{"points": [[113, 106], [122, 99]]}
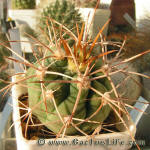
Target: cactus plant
{"points": [[70, 89], [65, 13], [66, 91], [23, 4]]}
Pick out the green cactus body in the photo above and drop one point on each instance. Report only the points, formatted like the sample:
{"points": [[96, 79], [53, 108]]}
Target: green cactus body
{"points": [[65, 108], [63, 95], [104, 81], [93, 105]]}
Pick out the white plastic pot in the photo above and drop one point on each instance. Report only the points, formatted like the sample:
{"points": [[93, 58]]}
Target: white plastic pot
{"points": [[114, 141]]}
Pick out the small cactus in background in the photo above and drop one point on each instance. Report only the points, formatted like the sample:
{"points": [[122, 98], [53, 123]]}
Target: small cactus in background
{"points": [[65, 13], [23, 4]]}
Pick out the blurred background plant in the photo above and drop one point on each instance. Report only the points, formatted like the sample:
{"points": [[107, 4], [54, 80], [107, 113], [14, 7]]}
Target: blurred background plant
{"points": [[90, 4], [23, 4], [136, 42], [63, 12], [140, 43], [118, 23], [25, 31], [4, 68], [85, 3], [3, 62]]}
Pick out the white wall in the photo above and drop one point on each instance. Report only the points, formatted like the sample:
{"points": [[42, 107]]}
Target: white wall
{"points": [[142, 8]]}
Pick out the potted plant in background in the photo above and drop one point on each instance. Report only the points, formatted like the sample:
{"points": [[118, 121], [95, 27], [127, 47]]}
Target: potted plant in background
{"points": [[86, 9], [118, 23], [23, 4], [62, 11]]}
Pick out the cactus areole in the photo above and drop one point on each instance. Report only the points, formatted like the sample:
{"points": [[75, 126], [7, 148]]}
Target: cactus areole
{"points": [[68, 88]]}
